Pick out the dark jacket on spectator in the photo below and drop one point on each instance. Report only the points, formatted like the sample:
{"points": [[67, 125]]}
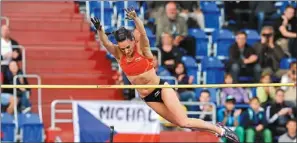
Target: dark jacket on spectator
{"points": [[18, 50], [250, 119], [277, 123], [292, 27], [269, 57], [235, 55], [8, 79]]}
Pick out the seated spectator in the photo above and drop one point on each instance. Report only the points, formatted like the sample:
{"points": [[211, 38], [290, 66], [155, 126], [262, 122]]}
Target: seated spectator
{"points": [[193, 15], [290, 92], [277, 114], [254, 123], [239, 94], [7, 103], [185, 94], [22, 93], [266, 94], [203, 98], [160, 70], [243, 59], [170, 53], [285, 29], [290, 135], [269, 53], [229, 117], [8, 52], [174, 24], [288, 77]]}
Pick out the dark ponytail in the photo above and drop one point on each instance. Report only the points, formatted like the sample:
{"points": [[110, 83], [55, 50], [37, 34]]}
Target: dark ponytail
{"points": [[122, 34]]}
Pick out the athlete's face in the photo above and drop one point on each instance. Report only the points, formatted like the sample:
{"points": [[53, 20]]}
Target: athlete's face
{"points": [[127, 47]]}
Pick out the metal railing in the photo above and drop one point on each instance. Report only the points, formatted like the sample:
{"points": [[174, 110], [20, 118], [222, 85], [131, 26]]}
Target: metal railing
{"points": [[54, 119], [15, 96], [6, 19]]}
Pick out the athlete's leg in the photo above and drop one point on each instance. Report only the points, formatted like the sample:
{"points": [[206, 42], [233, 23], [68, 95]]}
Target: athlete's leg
{"points": [[179, 115]]}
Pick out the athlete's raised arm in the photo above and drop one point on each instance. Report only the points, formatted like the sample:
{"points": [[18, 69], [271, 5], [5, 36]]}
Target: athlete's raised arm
{"points": [[143, 39], [104, 39]]}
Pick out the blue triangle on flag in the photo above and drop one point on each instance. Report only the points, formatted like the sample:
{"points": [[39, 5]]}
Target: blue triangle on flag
{"points": [[91, 128]]}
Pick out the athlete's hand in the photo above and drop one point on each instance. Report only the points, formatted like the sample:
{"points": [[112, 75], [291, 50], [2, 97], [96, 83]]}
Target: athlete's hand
{"points": [[96, 23], [131, 14]]}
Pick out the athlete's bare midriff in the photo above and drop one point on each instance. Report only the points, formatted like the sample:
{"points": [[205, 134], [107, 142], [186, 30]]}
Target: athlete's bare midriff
{"points": [[148, 78]]}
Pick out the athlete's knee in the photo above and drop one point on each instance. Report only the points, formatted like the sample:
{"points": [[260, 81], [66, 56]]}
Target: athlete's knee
{"points": [[184, 123]]}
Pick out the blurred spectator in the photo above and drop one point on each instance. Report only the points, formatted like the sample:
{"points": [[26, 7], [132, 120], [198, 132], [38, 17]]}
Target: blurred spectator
{"points": [[182, 78], [7, 103], [243, 59], [193, 15], [289, 76], [203, 98], [22, 93], [156, 8], [285, 28], [176, 25], [277, 114], [170, 53], [229, 117], [254, 122], [8, 52], [239, 94], [160, 70], [266, 94], [269, 53], [290, 92], [263, 10], [290, 135], [118, 78]]}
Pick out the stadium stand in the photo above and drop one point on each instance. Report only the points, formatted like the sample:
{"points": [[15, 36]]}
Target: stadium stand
{"points": [[62, 48]]}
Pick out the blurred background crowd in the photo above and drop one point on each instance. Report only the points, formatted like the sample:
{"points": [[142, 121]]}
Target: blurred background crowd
{"points": [[206, 43]]}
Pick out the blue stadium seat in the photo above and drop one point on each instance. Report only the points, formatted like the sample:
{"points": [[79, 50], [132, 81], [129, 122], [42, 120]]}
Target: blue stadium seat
{"points": [[245, 78], [151, 36], [285, 63], [211, 13], [223, 40], [201, 42], [31, 128], [108, 14], [252, 36], [95, 10], [191, 66], [120, 5], [8, 127], [130, 23], [283, 4], [254, 91], [214, 70], [169, 79]]}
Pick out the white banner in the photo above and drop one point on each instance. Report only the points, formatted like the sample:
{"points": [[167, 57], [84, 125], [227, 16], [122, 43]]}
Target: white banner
{"points": [[126, 116]]}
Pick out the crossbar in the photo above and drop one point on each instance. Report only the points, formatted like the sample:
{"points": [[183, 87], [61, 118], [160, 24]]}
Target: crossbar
{"points": [[148, 86]]}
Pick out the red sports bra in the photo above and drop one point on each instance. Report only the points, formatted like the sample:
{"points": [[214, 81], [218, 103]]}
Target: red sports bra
{"points": [[138, 65]]}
